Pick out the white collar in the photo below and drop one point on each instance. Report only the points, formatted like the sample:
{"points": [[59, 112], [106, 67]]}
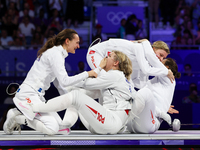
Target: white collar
{"points": [[64, 51]]}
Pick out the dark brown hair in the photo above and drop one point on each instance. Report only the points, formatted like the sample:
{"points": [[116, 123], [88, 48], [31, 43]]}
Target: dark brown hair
{"points": [[171, 63], [56, 40]]}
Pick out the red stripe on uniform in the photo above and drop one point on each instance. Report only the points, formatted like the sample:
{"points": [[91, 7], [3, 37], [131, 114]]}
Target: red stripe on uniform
{"points": [[92, 109]]}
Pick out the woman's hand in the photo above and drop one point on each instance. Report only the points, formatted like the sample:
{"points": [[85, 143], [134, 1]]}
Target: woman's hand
{"points": [[172, 110], [142, 40], [92, 74], [103, 63], [170, 75]]}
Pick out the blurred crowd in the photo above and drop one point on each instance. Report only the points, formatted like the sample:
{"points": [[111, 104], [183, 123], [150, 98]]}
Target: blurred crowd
{"points": [[182, 16], [27, 24], [187, 23]]}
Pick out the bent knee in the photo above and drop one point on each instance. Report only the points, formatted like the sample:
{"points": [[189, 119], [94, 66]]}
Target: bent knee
{"points": [[145, 94]]}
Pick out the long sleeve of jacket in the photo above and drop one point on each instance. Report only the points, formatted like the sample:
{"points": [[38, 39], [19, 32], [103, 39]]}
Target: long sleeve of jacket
{"points": [[57, 63], [152, 58], [144, 64]]}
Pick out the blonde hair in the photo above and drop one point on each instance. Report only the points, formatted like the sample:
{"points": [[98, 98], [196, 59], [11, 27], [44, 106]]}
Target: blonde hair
{"points": [[161, 45], [125, 64]]}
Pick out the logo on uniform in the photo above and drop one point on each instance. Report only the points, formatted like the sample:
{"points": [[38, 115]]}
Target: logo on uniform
{"points": [[97, 115]]}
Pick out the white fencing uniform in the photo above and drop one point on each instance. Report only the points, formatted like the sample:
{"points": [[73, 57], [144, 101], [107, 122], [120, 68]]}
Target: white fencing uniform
{"points": [[47, 68], [158, 95], [143, 66], [107, 119]]}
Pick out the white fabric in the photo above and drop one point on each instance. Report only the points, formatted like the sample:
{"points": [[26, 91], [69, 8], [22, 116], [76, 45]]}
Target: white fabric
{"points": [[27, 30], [158, 95], [30, 13], [4, 41], [116, 90], [43, 122], [47, 68], [56, 4], [135, 51], [101, 119]]}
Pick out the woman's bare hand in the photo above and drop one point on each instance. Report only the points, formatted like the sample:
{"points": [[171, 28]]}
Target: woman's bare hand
{"points": [[92, 74], [103, 63], [142, 40], [172, 110], [170, 75]]}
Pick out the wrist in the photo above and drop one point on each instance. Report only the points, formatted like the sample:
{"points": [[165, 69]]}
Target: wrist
{"points": [[99, 68]]}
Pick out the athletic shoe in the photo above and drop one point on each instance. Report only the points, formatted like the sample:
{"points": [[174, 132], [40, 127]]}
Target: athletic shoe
{"points": [[10, 124], [64, 130], [13, 112], [25, 108], [176, 125]]}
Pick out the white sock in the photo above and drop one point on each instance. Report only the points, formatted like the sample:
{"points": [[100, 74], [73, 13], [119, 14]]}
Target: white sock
{"points": [[34, 124], [56, 104]]}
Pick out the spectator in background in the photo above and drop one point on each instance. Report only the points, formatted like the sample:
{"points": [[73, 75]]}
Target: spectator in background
{"points": [[99, 33], [17, 44], [56, 21], [193, 97], [9, 26], [121, 31], [183, 43], [56, 4], [3, 9], [41, 21], [20, 36], [197, 39], [25, 15], [30, 12], [41, 4], [14, 16], [55, 25], [167, 9], [195, 13], [154, 7], [191, 44], [37, 41], [189, 26], [174, 45], [131, 27], [5, 40], [141, 33], [75, 16], [27, 28], [188, 70], [182, 13], [48, 34], [81, 67]]}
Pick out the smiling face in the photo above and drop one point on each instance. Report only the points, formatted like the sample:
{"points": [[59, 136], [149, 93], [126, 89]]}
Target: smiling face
{"points": [[161, 54], [73, 44]]}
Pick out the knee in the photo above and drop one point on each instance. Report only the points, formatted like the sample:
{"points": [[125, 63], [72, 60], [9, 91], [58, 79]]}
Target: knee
{"points": [[145, 94]]}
